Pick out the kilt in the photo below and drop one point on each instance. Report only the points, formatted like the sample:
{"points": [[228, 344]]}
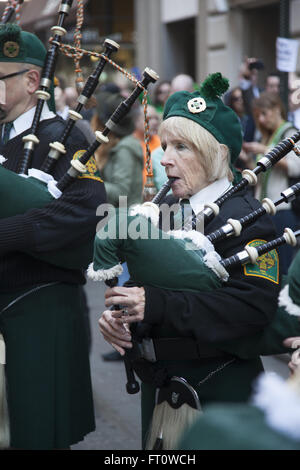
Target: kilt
{"points": [[47, 367]]}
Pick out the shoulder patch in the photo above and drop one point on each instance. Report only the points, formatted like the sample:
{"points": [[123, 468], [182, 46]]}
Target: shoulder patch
{"points": [[266, 266], [92, 171]]}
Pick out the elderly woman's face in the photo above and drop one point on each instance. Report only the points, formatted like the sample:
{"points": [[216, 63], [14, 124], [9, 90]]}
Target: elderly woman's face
{"points": [[182, 161]]}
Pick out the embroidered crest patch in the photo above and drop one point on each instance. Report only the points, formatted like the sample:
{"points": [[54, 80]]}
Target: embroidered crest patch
{"points": [[266, 266], [11, 49], [92, 171]]}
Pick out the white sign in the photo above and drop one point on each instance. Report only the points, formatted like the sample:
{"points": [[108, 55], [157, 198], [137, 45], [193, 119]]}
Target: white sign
{"points": [[175, 10], [287, 54]]}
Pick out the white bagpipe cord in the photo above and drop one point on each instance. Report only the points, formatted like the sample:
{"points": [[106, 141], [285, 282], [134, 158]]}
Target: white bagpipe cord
{"points": [[4, 419]]}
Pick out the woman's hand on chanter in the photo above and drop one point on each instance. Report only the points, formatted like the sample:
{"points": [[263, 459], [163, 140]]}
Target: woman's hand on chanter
{"points": [[114, 324], [115, 331], [132, 300]]}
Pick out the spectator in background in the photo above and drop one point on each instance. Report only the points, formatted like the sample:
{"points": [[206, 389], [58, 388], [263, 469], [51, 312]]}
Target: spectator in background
{"points": [[60, 102], [273, 83], [71, 96], [63, 105], [182, 82], [160, 95], [154, 141], [248, 78], [294, 100], [248, 81], [235, 100], [121, 160], [270, 118], [87, 111], [125, 85]]}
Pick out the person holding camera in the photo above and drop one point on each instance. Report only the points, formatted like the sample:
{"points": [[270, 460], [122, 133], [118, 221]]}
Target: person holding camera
{"points": [[248, 82]]}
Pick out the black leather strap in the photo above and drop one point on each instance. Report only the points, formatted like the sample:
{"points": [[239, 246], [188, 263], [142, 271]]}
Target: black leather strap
{"points": [[183, 349]]}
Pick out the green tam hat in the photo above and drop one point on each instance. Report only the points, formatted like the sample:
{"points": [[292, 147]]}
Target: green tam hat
{"points": [[207, 109], [22, 47]]}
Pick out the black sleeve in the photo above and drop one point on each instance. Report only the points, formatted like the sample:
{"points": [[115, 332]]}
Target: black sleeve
{"points": [[244, 305], [63, 222]]}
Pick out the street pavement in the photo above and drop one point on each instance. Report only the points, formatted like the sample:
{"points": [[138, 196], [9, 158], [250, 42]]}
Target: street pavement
{"points": [[117, 412]]}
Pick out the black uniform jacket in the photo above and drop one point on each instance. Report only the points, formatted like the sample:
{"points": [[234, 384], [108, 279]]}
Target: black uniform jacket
{"points": [[242, 306], [63, 223]]}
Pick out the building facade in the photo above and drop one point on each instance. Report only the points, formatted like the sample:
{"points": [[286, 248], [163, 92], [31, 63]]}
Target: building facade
{"points": [[204, 36]]}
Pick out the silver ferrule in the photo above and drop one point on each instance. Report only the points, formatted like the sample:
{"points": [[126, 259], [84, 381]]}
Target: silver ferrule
{"points": [[73, 172], [288, 193], [82, 99], [243, 256], [29, 145], [207, 212], [46, 82], [64, 8], [265, 162], [228, 230], [110, 125], [55, 154]]}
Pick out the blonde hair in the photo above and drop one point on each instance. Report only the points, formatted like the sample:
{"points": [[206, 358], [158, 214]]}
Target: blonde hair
{"points": [[210, 151]]}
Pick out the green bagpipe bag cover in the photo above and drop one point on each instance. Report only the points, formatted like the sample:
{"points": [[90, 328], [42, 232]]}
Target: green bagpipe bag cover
{"points": [[171, 260], [21, 194]]}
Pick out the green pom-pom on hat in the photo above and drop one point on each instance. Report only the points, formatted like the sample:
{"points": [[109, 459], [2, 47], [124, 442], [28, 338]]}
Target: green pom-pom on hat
{"points": [[214, 86]]}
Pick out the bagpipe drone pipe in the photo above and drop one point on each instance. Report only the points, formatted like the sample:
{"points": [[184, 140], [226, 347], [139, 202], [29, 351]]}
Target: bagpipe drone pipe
{"points": [[36, 188]]}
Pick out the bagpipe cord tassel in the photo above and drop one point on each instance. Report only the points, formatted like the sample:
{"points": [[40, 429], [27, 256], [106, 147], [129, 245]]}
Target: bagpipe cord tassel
{"points": [[168, 425]]}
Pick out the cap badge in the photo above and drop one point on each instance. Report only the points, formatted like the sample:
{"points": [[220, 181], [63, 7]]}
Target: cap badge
{"points": [[11, 49], [196, 105], [174, 397]]}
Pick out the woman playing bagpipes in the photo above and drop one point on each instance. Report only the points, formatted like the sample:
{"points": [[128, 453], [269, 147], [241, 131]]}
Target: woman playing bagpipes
{"points": [[41, 312], [201, 138]]}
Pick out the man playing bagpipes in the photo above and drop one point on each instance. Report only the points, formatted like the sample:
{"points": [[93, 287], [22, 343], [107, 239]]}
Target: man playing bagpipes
{"points": [[201, 138], [41, 312]]}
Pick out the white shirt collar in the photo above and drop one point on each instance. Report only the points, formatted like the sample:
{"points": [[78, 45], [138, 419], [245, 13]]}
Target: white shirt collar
{"points": [[209, 194], [21, 123]]}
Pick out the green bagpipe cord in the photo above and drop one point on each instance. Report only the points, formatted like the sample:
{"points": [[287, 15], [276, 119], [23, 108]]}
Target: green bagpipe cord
{"points": [[22, 194]]}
